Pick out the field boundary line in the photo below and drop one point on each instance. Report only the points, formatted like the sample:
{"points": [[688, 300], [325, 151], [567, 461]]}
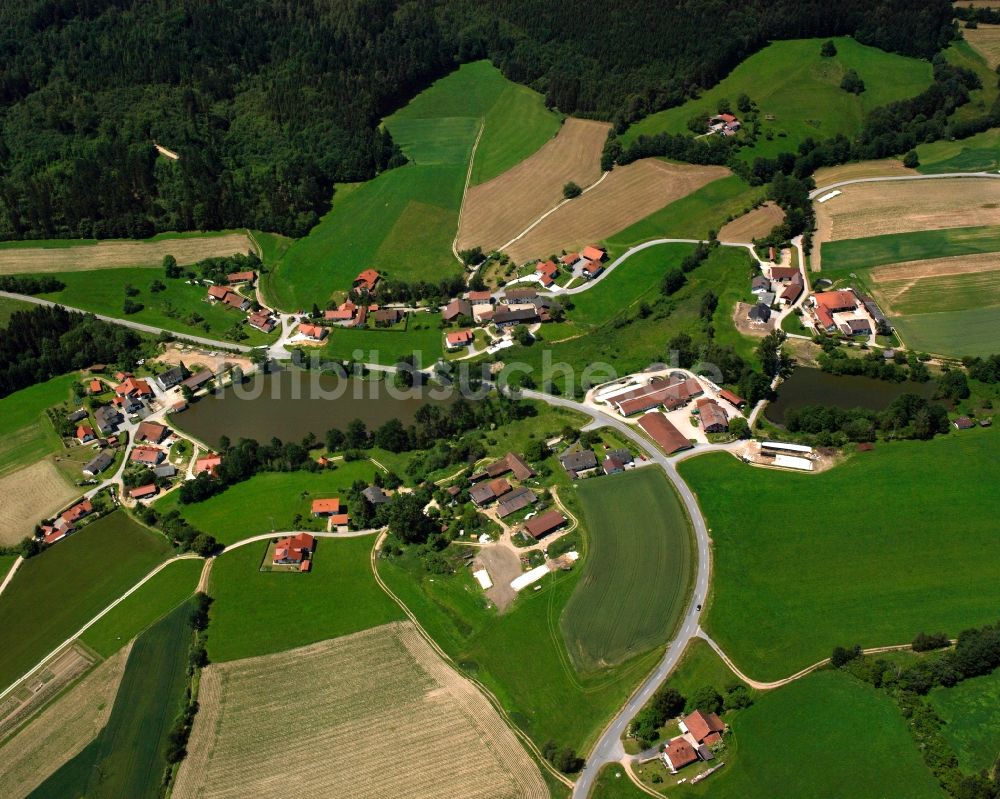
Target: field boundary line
{"points": [[552, 210], [11, 573], [69, 641], [818, 192], [490, 697], [465, 189]]}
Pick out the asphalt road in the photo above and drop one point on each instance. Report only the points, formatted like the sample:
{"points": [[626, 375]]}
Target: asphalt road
{"points": [[205, 342], [609, 747]]}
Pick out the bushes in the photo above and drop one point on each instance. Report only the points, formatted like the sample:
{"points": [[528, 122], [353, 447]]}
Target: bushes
{"points": [[564, 759], [925, 643], [666, 703]]}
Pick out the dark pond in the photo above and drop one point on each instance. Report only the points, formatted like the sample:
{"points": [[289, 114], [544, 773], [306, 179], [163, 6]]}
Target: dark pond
{"points": [[292, 403], [808, 386]]}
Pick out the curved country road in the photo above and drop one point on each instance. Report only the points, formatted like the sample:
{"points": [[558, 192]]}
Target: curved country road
{"points": [[891, 178], [608, 748]]}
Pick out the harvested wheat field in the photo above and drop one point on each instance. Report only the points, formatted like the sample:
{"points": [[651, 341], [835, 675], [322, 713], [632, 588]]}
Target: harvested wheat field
{"points": [[496, 211], [887, 167], [62, 730], [937, 267], [626, 195], [108, 254], [376, 713], [756, 224], [30, 494], [986, 41], [874, 209]]}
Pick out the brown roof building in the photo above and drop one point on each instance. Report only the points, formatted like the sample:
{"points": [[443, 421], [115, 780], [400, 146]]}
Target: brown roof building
{"points": [[702, 725], [516, 500], [713, 418], [543, 525], [511, 462], [151, 432], [678, 753], [664, 433]]}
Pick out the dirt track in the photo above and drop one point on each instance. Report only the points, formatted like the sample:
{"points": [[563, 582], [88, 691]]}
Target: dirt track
{"points": [[110, 254], [626, 195], [499, 209]]}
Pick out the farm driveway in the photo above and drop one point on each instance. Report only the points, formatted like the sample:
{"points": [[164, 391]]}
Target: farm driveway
{"points": [[504, 565]]}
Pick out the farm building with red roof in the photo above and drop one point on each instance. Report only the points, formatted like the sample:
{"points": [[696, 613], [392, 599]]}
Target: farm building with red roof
{"points": [[293, 549], [367, 280], [678, 753], [664, 433], [326, 507]]}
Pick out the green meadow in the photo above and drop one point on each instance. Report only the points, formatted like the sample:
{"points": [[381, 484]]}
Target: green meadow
{"points": [[128, 756], [403, 222], [635, 579], [8, 307], [971, 711], [163, 593], [55, 593], [25, 432], [691, 217], [849, 254], [278, 498], [827, 730], [955, 334], [793, 82], [259, 613], [700, 666], [102, 291], [626, 339], [975, 154], [423, 334], [962, 54], [613, 783], [519, 655], [858, 554]]}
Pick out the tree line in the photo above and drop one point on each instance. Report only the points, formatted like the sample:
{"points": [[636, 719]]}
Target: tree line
{"points": [[976, 653], [44, 342], [269, 105]]}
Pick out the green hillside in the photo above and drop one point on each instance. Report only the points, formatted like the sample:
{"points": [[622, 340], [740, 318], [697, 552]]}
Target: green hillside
{"points": [[403, 222], [793, 82]]}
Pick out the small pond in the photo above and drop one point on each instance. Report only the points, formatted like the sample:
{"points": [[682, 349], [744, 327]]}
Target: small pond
{"points": [[292, 403], [808, 386]]}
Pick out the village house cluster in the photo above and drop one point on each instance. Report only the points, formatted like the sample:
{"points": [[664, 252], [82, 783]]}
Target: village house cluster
{"points": [[777, 285], [585, 265], [847, 312], [261, 319]]}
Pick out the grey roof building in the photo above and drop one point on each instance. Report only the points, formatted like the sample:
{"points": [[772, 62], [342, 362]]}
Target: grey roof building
{"points": [[170, 378], [99, 463]]}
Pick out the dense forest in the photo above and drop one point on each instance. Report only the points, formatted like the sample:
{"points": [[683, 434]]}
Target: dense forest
{"points": [[44, 342], [269, 103]]}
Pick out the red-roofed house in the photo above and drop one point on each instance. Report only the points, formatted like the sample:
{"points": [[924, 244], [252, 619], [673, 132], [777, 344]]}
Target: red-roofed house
{"points": [[294, 549], [835, 301], [713, 418], [77, 512], [147, 456], [85, 433], [262, 320], [592, 253], [151, 432], [144, 492], [207, 463], [547, 269], [784, 274], [326, 507], [314, 332], [678, 753], [570, 258], [218, 292], [480, 296], [367, 279], [132, 387], [703, 725], [96, 387], [592, 269], [241, 277], [458, 339], [339, 520]]}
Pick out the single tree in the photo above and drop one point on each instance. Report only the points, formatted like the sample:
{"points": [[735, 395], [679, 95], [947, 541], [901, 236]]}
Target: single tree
{"points": [[571, 190], [828, 50], [911, 160]]}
